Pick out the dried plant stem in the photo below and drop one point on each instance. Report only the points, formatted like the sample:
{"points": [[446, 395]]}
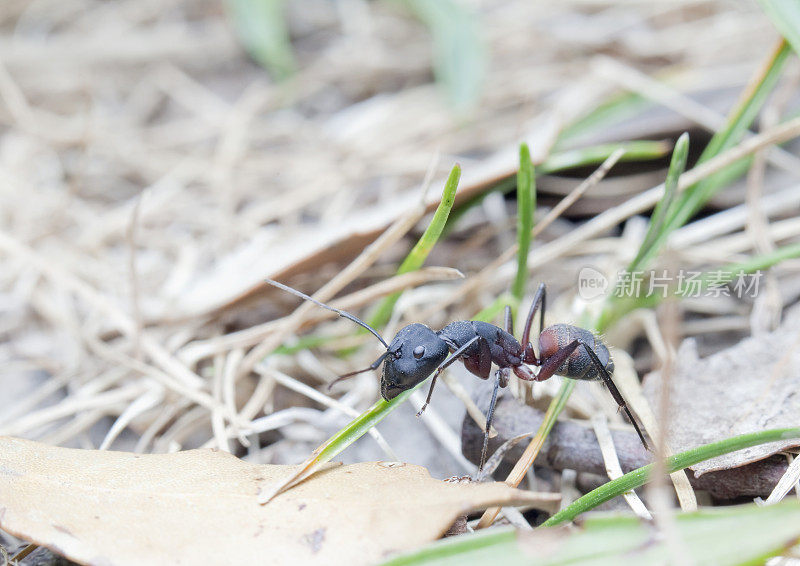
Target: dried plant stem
{"points": [[479, 279], [200, 349], [636, 81], [613, 467], [787, 482], [348, 274]]}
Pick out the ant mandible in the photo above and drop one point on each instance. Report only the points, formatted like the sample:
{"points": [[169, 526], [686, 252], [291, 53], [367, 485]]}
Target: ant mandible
{"points": [[417, 351]]}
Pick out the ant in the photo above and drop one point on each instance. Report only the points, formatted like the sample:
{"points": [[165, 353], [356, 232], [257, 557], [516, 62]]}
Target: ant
{"points": [[417, 351]]}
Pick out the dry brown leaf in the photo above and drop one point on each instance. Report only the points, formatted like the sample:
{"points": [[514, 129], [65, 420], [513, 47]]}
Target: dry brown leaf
{"points": [[747, 388], [201, 507]]}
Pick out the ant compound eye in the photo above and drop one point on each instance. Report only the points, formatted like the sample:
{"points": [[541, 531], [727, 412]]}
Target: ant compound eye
{"points": [[419, 351]]}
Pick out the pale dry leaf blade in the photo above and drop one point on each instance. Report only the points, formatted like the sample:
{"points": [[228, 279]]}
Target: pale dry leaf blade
{"points": [[200, 507], [747, 388]]}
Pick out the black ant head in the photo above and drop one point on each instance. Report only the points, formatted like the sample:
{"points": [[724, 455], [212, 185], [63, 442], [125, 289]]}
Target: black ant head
{"points": [[413, 355]]}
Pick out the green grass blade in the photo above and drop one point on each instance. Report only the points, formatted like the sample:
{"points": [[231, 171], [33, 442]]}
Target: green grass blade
{"points": [[642, 150], [359, 426], [493, 311], [332, 447], [477, 548], [622, 306], [738, 122], [765, 261], [372, 416], [423, 247], [459, 54], [640, 476], [526, 205], [303, 343], [679, 210], [261, 27], [613, 111], [419, 253], [656, 233], [727, 273], [785, 16], [708, 536]]}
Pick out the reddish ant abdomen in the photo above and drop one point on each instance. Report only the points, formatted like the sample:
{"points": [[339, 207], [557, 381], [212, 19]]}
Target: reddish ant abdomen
{"points": [[578, 365]]}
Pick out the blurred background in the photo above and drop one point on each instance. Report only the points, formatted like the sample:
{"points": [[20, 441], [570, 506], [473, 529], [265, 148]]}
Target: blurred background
{"points": [[159, 159]]}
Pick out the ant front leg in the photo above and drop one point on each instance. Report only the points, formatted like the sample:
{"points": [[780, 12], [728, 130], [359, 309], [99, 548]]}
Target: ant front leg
{"points": [[453, 357], [501, 380]]}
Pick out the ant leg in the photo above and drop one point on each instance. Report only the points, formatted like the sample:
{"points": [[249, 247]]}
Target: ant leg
{"points": [[550, 365], [372, 366], [614, 391], [540, 298], [490, 415], [524, 373], [508, 321], [453, 357]]}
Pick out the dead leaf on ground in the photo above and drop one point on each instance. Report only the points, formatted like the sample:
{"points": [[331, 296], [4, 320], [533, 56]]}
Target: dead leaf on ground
{"points": [[750, 387], [201, 507]]}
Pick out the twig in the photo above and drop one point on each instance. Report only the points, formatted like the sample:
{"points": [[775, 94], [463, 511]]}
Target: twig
{"points": [[146, 401], [657, 492], [574, 446], [217, 421]]}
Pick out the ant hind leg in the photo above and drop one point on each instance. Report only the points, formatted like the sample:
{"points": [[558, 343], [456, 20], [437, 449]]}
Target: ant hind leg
{"points": [[550, 366], [614, 392]]}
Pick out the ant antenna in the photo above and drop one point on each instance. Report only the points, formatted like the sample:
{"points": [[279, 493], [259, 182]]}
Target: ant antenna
{"points": [[372, 367], [343, 314]]}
